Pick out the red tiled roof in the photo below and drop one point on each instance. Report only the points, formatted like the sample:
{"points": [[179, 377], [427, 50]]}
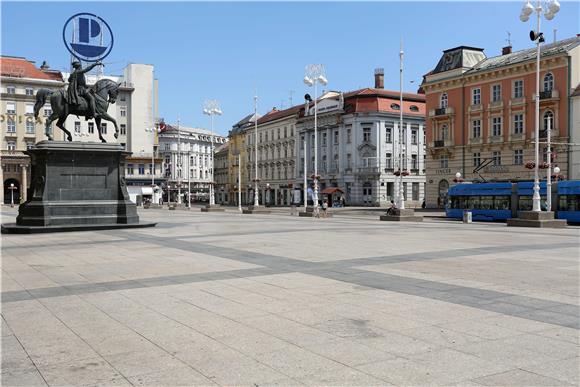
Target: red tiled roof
{"points": [[276, 114], [22, 68]]}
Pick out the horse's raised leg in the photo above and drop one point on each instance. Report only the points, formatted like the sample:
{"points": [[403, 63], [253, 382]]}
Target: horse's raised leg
{"points": [[107, 117], [98, 123], [47, 126], [60, 124]]}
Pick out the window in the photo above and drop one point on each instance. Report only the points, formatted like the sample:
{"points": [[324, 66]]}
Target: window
{"points": [[29, 109], [519, 157], [122, 97], [476, 159], [323, 139], [77, 126], [389, 161], [123, 129], [285, 132], [414, 191], [389, 132], [47, 111], [260, 137], [444, 161], [414, 163], [395, 106], [496, 157], [30, 126], [496, 93], [476, 128], [444, 132], [548, 82], [130, 169], [476, 96], [336, 137], [414, 136], [324, 163], [348, 134], [141, 169], [11, 145], [10, 90], [10, 108], [496, 126], [29, 145], [366, 134], [123, 112], [348, 161], [10, 125], [91, 127], [29, 91], [103, 128], [335, 163], [518, 123], [414, 108], [443, 101], [518, 88], [548, 120]]}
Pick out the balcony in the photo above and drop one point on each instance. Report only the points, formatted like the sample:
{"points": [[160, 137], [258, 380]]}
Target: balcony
{"points": [[549, 95], [368, 170], [441, 112]]}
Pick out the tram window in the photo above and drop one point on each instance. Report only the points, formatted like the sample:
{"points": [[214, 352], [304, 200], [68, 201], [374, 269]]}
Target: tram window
{"points": [[569, 203], [458, 202], [502, 202], [473, 203], [486, 203], [525, 203]]}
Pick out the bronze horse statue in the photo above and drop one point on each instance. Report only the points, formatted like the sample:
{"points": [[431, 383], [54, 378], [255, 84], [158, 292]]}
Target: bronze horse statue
{"points": [[104, 91]]}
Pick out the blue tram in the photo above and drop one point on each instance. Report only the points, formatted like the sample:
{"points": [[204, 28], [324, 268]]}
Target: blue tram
{"points": [[501, 201]]}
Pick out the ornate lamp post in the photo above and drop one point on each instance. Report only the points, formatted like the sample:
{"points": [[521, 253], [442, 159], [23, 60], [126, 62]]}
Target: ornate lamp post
{"points": [[212, 108], [551, 7], [12, 188], [256, 180], [315, 74]]}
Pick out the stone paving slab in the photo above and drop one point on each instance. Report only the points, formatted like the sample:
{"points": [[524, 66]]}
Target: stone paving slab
{"points": [[222, 299]]}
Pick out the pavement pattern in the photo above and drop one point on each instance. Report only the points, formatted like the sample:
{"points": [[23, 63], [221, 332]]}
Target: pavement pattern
{"points": [[232, 299]]}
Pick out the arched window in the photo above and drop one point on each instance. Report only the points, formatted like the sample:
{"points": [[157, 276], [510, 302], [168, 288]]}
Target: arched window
{"points": [[414, 108], [548, 82], [395, 106], [549, 116], [443, 101]]}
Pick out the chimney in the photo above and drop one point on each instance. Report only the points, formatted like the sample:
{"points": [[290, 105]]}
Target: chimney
{"points": [[506, 50], [379, 78]]}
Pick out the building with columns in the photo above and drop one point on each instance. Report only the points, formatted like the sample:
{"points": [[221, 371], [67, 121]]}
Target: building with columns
{"points": [[186, 154], [481, 113], [20, 79]]}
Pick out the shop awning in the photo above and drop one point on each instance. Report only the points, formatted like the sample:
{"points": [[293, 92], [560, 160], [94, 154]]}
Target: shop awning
{"points": [[147, 190], [331, 190]]}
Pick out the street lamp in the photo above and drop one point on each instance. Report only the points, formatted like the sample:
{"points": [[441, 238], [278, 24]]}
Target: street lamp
{"points": [[152, 131], [211, 108], [314, 74], [256, 196], [551, 7], [12, 188], [400, 195]]}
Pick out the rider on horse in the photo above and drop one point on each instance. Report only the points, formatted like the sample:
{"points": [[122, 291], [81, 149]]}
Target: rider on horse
{"points": [[78, 87]]}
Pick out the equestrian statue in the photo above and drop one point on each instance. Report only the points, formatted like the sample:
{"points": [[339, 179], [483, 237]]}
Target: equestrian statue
{"points": [[80, 100]]}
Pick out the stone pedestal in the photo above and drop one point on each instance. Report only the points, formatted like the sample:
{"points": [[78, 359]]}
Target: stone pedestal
{"points": [[212, 208], [538, 219], [405, 215], [76, 187], [255, 210], [309, 213]]}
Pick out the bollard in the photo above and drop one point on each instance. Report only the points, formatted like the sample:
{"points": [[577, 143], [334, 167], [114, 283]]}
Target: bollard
{"points": [[467, 217]]}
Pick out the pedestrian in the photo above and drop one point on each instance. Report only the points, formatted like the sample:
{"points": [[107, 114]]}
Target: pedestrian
{"points": [[324, 208]]}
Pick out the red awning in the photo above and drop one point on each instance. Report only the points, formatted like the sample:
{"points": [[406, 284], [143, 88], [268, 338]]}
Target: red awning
{"points": [[331, 190]]}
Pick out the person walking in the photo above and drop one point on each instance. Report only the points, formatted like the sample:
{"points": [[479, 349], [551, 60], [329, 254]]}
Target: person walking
{"points": [[324, 208]]}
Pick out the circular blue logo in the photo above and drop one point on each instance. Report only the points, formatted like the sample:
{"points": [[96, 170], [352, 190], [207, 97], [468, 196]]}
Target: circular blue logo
{"points": [[87, 37]]}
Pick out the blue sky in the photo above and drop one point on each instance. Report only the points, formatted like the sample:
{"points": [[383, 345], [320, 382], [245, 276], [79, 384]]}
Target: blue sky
{"points": [[226, 50]]}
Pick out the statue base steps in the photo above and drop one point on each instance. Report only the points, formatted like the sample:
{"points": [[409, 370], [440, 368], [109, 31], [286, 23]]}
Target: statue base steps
{"points": [[405, 215], [541, 219], [255, 210]]}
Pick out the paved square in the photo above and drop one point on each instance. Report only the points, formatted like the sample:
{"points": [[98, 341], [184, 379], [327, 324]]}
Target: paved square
{"points": [[231, 299]]}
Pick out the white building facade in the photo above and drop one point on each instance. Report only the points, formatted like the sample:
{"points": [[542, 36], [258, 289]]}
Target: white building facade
{"points": [[187, 162], [358, 146]]}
